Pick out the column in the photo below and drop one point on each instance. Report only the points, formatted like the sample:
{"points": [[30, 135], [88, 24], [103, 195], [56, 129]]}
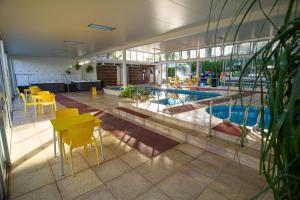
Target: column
{"points": [[124, 69]]}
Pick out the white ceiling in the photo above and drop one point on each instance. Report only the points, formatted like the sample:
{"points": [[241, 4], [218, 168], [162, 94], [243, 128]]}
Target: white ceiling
{"points": [[40, 27]]}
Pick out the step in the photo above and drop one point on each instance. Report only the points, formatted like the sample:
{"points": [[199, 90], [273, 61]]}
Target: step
{"points": [[177, 122], [245, 155]]}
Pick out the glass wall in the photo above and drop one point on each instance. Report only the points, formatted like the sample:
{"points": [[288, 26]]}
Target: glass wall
{"points": [[183, 70]]}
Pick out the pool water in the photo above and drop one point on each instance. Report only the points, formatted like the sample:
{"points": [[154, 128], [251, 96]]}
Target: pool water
{"points": [[237, 114], [185, 96]]}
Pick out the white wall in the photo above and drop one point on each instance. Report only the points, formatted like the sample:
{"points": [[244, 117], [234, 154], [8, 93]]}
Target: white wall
{"points": [[91, 75], [43, 69]]}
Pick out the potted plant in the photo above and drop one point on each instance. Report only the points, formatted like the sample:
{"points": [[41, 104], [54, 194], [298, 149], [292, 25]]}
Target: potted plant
{"points": [[77, 66], [143, 94], [128, 93], [68, 71], [89, 69]]}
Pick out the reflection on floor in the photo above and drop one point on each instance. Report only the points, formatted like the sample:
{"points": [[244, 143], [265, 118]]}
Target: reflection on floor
{"points": [[184, 172]]}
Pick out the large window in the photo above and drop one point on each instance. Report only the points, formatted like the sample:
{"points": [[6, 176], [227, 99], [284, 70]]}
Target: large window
{"points": [[177, 55], [132, 55], [183, 70], [244, 48], [156, 57], [203, 53], [128, 55], [193, 53], [259, 45], [171, 69], [228, 50], [185, 55], [216, 51], [140, 56]]}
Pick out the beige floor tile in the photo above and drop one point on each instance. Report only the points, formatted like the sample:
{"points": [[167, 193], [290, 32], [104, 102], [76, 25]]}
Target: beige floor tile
{"points": [[248, 192], [48, 192], [209, 194], [79, 164], [153, 194], [189, 149], [176, 158], [134, 158], [247, 174], [213, 159], [119, 149], [156, 169], [81, 183], [99, 193], [29, 165], [111, 169], [206, 169], [227, 185], [128, 186], [28, 182], [196, 173], [110, 139], [91, 157], [181, 187]]}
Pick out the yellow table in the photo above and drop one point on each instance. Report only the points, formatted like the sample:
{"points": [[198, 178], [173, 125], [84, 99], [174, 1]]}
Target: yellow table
{"points": [[63, 125]]}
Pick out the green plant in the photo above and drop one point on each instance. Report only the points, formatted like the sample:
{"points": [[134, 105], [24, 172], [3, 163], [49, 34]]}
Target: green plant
{"points": [[68, 71], [143, 92], [77, 66], [89, 69], [133, 92], [128, 91], [280, 143]]}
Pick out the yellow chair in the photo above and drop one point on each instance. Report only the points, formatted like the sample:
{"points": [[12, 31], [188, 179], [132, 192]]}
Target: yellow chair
{"points": [[47, 100], [26, 104], [19, 95], [171, 80], [177, 80], [62, 113], [34, 91], [80, 135], [42, 92], [33, 86]]}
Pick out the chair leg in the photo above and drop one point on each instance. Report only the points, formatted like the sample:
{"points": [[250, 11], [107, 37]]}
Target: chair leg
{"points": [[64, 152], [97, 152], [42, 109], [85, 150], [71, 160]]}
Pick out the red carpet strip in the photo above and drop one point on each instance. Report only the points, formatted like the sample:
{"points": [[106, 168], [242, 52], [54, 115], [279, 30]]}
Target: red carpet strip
{"points": [[231, 129], [147, 142], [140, 115]]}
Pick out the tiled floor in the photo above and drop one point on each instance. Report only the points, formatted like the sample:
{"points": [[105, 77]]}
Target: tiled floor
{"points": [[184, 172]]}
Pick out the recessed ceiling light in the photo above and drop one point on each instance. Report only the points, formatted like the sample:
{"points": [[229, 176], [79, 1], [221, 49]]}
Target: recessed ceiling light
{"points": [[97, 26]]}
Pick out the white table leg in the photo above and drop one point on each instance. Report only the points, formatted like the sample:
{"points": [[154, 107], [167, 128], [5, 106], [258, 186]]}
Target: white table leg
{"points": [[34, 108], [54, 142], [101, 142], [61, 155]]}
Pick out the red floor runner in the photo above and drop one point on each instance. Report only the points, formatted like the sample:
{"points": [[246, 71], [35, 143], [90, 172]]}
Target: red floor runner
{"points": [[147, 142]]}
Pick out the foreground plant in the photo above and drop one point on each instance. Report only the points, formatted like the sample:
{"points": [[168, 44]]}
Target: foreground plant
{"points": [[280, 150], [278, 65]]}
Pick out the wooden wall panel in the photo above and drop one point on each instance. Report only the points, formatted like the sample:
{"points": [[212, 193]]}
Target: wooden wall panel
{"points": [[135, 74], [107, 74]]}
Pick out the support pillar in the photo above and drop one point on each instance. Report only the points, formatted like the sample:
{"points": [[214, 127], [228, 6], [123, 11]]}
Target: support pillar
{"points": [[124, 69]]}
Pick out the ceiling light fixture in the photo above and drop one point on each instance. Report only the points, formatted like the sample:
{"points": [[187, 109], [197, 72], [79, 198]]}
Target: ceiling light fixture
{"points": [[97, 26]]}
